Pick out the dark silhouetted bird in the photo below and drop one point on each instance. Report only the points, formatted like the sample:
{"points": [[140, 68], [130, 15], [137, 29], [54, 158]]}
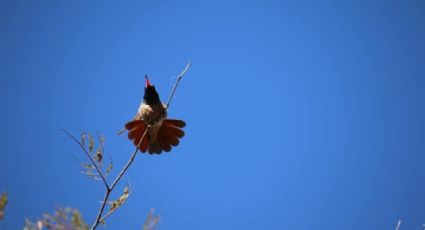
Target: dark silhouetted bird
{"points": [[163, 133]]}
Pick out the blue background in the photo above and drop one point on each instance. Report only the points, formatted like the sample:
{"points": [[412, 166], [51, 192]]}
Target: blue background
{"points": [[301, 114]]}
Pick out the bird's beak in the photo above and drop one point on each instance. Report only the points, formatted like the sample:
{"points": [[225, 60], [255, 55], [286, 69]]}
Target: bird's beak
{"points": [[147, 81]]}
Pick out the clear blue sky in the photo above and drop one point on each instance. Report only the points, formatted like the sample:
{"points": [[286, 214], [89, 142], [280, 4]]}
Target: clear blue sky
{"points": [[301, 114]]}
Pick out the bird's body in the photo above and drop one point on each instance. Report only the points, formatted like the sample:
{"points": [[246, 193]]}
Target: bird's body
{"points": [[152, 114], [162, 133]]}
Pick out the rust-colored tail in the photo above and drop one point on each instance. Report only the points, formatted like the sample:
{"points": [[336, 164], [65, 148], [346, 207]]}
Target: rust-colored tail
{"points": [[167, 135]]}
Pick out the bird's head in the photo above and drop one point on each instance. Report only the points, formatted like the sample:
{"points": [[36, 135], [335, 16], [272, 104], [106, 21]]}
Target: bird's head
{"points": [[151, 96]]}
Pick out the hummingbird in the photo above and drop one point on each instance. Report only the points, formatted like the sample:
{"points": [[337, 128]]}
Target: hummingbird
{"points": [[163, 133]]}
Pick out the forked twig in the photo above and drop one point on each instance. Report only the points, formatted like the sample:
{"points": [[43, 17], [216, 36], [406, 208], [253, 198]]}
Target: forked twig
{"points": [[109, 188], [88, 156], [172, 91], [99, 217], [177, 83]]}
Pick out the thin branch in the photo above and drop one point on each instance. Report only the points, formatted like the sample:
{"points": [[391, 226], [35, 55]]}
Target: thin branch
{"points": [[172, 91], [130, 161], [102, 207], [99, 217], [88, 155], [106, 216], [177, 83], [398, 225]]}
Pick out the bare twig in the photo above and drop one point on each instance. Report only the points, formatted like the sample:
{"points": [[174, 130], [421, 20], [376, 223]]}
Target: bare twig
{"points": [[99, 217], [106, 215], [130, 160], [172, 91], [177, 83], [116, 204], [398, 225], [102, 207], [88, 155]]}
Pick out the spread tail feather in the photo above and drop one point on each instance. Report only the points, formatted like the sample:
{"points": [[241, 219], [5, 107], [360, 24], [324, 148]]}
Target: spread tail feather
{"points": [[169, 134], [174, 122], [136, 129]]}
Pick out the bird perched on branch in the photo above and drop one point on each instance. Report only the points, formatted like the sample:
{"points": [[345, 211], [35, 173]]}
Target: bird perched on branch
{"points": [[162, 133]]}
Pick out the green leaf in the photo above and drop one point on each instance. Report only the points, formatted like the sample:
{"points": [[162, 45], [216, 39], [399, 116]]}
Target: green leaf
{"points": [[151, 220], [99, 154], [3, 203], [92, 175], [83, 138], [109, 168], [77, 220], [102, 139], [63, 218], [91, 142], [87, 166]]}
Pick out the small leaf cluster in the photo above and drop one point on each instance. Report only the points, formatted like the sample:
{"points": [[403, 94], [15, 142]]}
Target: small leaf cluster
{"points": [[3, 203], [114, 205], [151, 220], [120, 201], [95, 149], [62, 219]]}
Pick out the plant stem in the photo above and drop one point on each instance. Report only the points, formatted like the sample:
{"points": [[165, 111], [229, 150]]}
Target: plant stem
{"points": [[109, 189], [177, 83], [88, 156], [99, 217]]}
